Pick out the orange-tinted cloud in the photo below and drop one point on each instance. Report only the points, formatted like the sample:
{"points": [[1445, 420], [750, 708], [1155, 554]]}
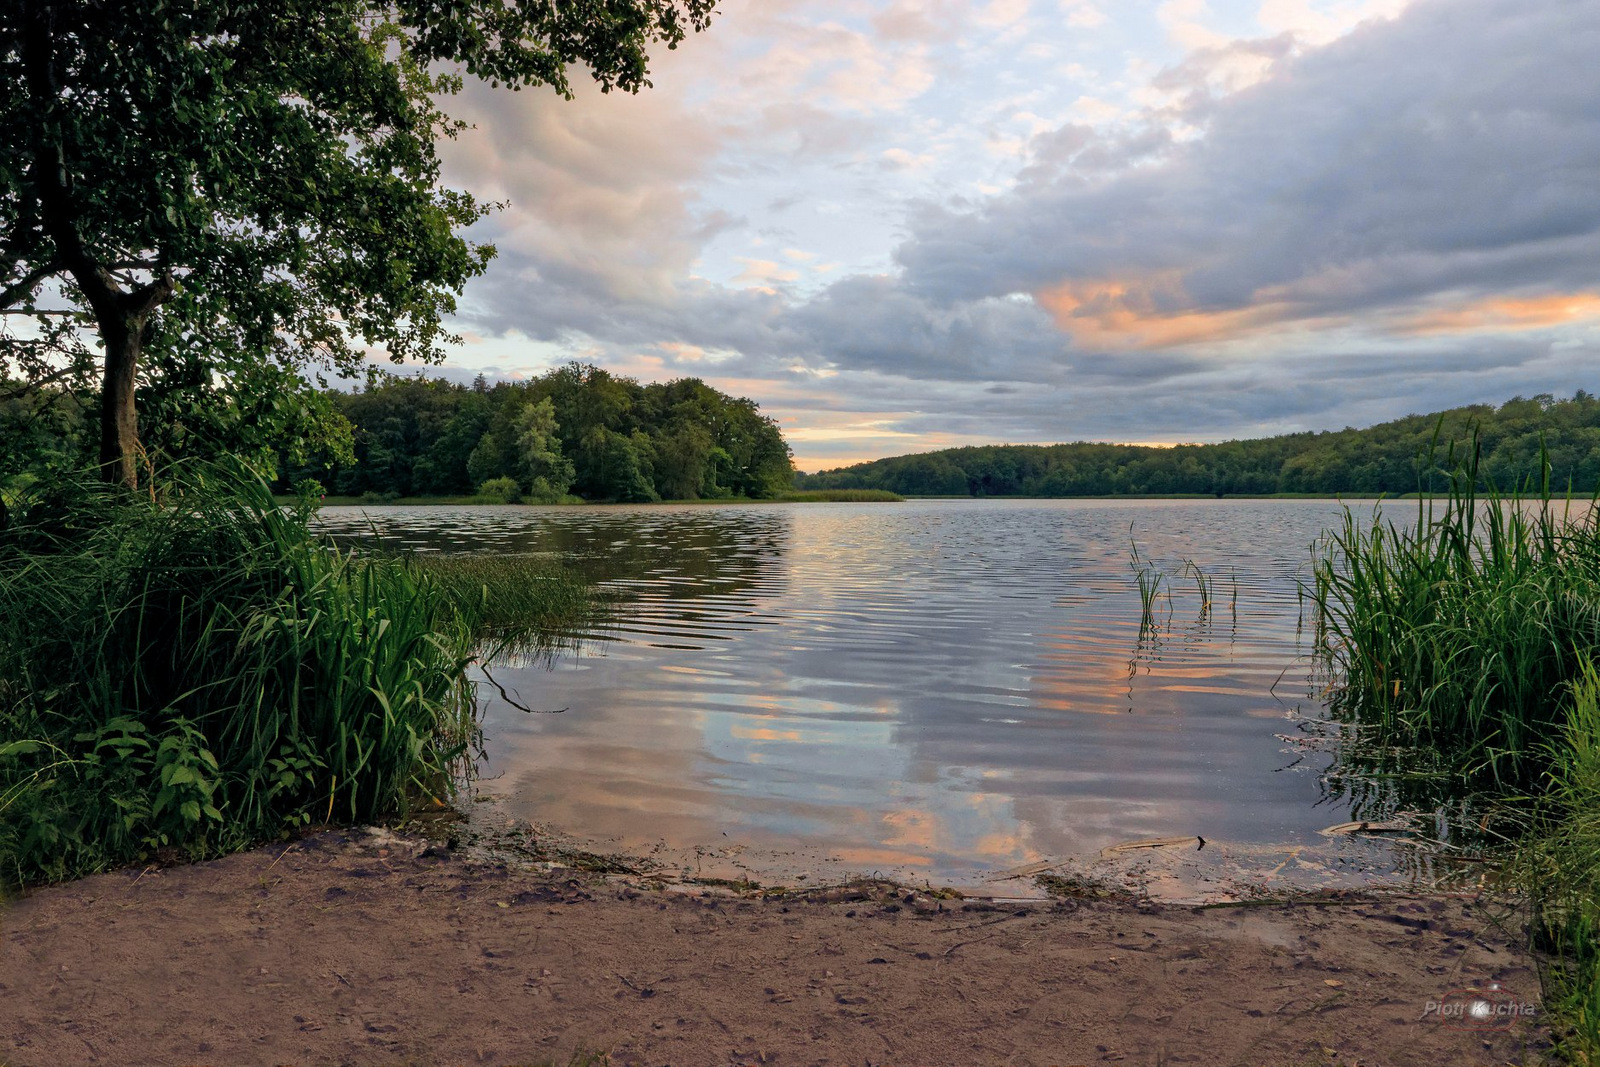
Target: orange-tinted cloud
{"points": [[748, 733], [1127, 313], [1507, 313], [1132, 313]]}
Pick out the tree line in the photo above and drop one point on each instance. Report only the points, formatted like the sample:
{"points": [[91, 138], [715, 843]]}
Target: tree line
{"points": [[578, 430], [1393, 457]]}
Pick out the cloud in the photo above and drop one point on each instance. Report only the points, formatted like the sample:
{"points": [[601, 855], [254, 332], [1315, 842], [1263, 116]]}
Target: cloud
{"points": [[921, 21], [1002, 13], [841, 68], [765, 273], [602, 186], [873, 323], [1506, 313], [1318, 24], [1268, 234], [1134, 313], [1083, 14], [1186, 93], [900, 159], [1184, 22], [802, 130], [1449, 150]]}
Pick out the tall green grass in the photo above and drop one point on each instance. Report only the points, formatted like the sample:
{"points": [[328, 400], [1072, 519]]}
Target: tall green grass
{"points": [[517, 603], [1462, 649], [1560, 865], [1149, 578], [187, 677], [1458, 633]]}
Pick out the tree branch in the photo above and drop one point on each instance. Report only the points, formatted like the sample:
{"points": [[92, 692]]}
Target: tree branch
{"points": [[24, 285], [147, 298], [49, 169], [27, 387]]}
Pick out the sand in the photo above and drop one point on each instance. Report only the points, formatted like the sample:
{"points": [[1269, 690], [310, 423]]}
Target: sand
{"points": [[348, 947]]}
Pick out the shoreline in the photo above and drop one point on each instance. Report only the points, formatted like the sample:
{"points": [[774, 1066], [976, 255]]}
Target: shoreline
{"points": [[373, 947], [458, 501]]}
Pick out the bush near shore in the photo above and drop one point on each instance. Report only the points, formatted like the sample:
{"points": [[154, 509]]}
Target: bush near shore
{"points": [[1463, 651], [184, 678]]}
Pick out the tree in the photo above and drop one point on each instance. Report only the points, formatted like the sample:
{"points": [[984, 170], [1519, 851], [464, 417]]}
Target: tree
{"points": [[249, 181], [449, 454], [686, 461], [616, 466], [547, 473]]}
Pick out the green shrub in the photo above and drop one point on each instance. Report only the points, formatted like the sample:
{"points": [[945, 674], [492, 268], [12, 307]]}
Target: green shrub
{"points": [[540, 491], [308, 491], [501, 491], [196, 676]]}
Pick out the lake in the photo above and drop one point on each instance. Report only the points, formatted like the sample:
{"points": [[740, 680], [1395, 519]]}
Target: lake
{"points": [[951, 691]]}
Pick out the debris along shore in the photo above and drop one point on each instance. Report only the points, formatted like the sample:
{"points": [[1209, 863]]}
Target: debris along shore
{"points": [[372, 948]]}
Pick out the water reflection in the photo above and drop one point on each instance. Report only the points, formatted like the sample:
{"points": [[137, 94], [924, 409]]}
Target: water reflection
{"points": [[940, 689]]}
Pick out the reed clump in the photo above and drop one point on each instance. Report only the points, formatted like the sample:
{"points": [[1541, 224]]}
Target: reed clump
{"points": [[1459, 634], [519, 603], [185, 677], [1149, 580], [1559, 863], [1462, 649]]}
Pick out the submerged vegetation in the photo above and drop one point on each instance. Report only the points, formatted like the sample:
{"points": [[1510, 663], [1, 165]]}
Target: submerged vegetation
{"points": [[188, 676], [1463, 649], [1516, 437], [515, 602]]}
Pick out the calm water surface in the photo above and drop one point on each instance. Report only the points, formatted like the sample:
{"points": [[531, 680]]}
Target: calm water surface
{"points": [[941, 690]]}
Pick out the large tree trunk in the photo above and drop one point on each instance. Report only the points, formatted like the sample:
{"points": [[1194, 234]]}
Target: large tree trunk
{"points": [[119, 422]]}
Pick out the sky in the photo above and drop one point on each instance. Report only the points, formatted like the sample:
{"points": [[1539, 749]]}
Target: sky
{"points": [[905, 225]]}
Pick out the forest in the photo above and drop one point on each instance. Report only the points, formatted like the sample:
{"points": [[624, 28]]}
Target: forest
{"points": [[1390, 458], [576, 431]]}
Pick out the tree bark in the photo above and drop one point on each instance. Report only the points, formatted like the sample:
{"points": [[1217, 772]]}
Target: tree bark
{"points": [[119, 421]]}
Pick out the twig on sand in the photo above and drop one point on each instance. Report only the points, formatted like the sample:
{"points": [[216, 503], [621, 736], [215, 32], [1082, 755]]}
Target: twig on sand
{"points": [[974, 941], [986, 922], [274, 863]]}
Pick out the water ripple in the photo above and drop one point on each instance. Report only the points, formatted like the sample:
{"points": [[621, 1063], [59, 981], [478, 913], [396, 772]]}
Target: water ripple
{"points": [[936, 688]]}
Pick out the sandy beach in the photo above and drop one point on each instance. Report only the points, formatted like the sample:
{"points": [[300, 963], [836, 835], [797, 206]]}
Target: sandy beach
{"points": [[348, 947]]}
